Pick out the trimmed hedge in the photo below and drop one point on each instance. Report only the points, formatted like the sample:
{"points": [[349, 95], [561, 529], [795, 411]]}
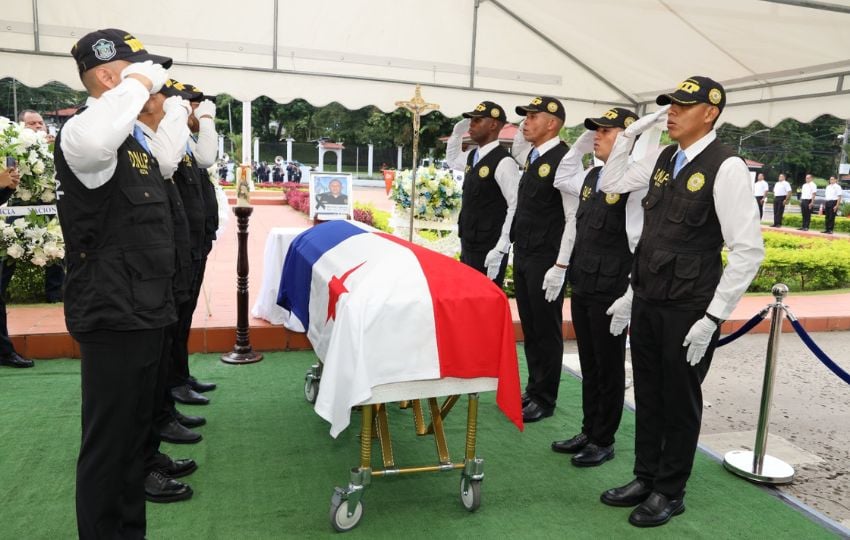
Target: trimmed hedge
{"points": [[803, 263], [842, 224]]}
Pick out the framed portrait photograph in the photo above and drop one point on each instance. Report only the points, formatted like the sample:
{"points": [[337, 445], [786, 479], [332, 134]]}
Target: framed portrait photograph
{"points": [[331, 196]]}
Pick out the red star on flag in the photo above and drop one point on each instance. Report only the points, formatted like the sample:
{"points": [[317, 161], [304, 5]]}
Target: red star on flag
{"points": [[336, 288]]}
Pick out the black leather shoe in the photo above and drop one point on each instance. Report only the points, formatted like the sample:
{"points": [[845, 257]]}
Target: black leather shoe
{"points": [[633, 493], [184, 394], [176, 433], [656, 510], [534, 412], [15, 360], [178, 468], [570, 446], [593, 455], [525, 399], [163, 489], [199, 386], [189, 421]]}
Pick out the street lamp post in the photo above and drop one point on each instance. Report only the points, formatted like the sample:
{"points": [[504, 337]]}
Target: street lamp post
{"points": [[743, 138]]}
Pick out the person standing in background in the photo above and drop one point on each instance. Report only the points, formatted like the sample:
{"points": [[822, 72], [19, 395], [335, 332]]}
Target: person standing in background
{"points": [[781, 192]]}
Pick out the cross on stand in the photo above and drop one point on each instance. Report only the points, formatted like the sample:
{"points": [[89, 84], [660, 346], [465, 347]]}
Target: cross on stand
{"points": [[417, 106]]}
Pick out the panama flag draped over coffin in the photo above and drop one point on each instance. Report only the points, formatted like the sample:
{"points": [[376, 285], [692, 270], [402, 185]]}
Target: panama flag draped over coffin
{"points": [[381, 310]]}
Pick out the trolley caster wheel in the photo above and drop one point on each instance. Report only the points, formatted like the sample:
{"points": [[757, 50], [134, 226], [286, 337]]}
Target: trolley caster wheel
{"points": [[340, 519], [311, 389], [471, 497]]}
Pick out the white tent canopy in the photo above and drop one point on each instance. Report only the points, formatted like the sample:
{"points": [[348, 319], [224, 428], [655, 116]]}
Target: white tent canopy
{"points": [[777, 58]]}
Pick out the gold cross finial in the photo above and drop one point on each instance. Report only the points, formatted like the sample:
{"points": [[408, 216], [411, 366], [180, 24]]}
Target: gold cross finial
{"points": [[417, 105]]}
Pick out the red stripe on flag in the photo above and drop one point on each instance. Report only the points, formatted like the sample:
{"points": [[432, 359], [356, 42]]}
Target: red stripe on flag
{"points": [[475, 331]]}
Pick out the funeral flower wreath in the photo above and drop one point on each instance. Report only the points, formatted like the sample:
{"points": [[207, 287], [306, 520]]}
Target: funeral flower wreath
{"points": [[34, 161], [437, 195]]}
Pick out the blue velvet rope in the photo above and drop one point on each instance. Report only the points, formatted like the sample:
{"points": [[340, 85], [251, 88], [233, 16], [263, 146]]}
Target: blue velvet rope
{"points": [[835, 368], [749, 325]]}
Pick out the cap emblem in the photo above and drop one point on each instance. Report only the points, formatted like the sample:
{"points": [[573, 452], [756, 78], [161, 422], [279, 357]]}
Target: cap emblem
{"points": [[714, 96], [537, 101], [104, 50], [552, 107], [480, 107], [494, 113], [134, 44], [628, 121], [610, 115]]}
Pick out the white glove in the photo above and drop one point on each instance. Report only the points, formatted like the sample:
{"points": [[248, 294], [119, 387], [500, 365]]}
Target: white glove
{"points": [[553, 280], [647, 121], [176, 104], [621, 313], [493, 261], [205, 108], [584, 144], [461, 127], [520, 145], [155, 73], [699, 336]]}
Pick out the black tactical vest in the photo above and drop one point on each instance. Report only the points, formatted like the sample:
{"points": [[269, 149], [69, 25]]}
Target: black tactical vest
{"points": [[539, 220], [601, 259], [188, 180], [119, 248], [182, 283], [483, 207], [210, 210], [677, 260]]}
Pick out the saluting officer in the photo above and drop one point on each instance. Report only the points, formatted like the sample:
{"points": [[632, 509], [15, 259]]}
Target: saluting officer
{"points": [[114, 214], [543, 233], [489, 190], [699, 198], [608, 227], [164, 125], [193, 181]]}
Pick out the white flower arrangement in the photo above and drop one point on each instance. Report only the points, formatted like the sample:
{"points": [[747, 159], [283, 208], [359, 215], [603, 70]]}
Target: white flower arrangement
{"points": [[437, 195], [34, 162], [34, 239]]}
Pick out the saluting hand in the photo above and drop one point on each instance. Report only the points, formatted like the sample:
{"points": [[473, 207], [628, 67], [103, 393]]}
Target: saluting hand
{"points": [[147, 72], [647, 121], [461, 127]]}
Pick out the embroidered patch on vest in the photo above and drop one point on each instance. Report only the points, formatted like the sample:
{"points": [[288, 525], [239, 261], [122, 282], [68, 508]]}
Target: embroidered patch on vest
{"points": [[612, 198], [483, 171], [467, 169], [543, 171], [696, 181], [586, 192]]}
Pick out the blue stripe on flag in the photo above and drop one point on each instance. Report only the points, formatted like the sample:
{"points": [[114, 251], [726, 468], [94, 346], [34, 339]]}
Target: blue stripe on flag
{"points": [[294, 291]]}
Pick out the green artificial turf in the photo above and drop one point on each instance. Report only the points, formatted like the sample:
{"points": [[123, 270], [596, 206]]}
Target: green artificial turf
{"points": [[267, 469]]}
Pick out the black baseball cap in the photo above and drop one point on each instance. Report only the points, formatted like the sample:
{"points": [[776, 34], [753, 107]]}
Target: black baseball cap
{"points": [[695, 90], [185, 91], [487, 109], [110, 44], [543, 104], [616, 118]]}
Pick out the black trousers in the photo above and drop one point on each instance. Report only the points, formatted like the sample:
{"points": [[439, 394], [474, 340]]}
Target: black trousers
{"points": [[668, 395], [118, 374], [603, 377], [180, 346], [806, 210], [6, 347], [475, 259], [760, 203], [541, 321], [163, 403], [829, 209], [778, 210]]}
